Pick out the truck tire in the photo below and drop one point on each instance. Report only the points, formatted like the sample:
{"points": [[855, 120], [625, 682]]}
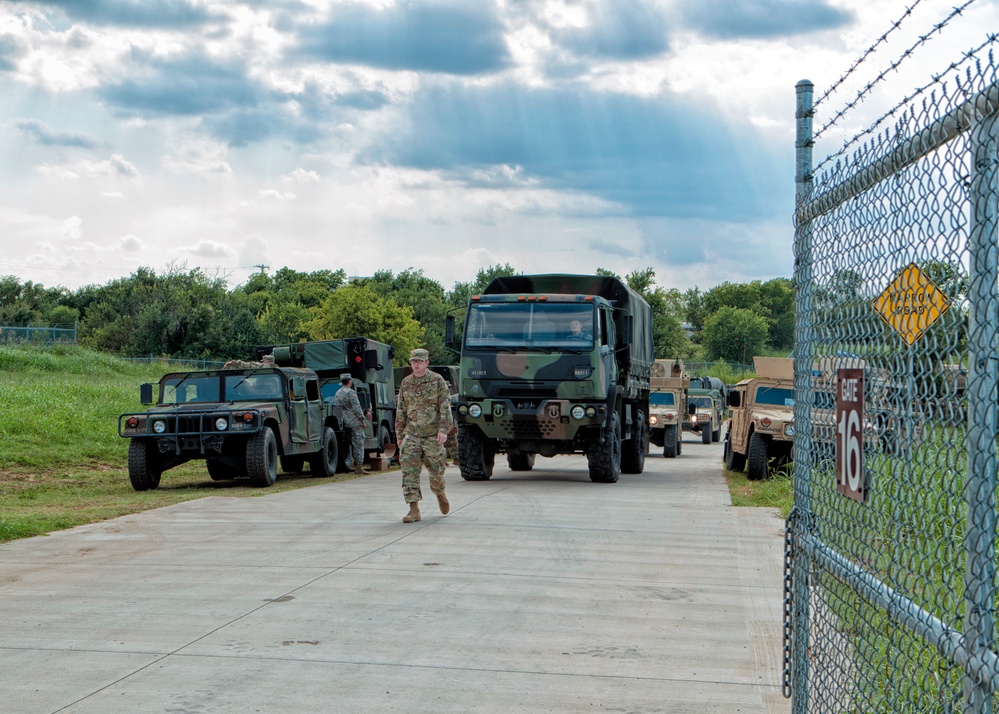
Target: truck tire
{"points": [[671, 445], [706, 433], [520, 462], [716, 434], [291, 464], [475, 455], [323, 463], [262, 458], [605, 459], [634, 450], [144, 469], [756, 464], [733, 461]]}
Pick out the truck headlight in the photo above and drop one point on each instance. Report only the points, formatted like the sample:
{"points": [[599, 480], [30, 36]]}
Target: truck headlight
{"points": [[221, 424], [159, 426], [789, 430], [475, 411], [578, 412], [653, 420]]}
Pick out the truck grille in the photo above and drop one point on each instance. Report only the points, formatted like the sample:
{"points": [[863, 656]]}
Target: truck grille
{"points": [[529, 428]]}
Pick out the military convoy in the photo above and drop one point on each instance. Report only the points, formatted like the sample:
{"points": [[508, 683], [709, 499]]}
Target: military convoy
{"points": [[533, 382], [242, 422], [761, 423]]}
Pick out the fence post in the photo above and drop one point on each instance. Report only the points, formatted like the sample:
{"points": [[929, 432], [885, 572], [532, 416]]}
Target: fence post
{"points": [[983, 379], [796, 664]]}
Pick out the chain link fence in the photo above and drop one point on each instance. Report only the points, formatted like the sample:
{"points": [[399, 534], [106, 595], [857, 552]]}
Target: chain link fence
{"points": [[38, 334], [890, 563]]}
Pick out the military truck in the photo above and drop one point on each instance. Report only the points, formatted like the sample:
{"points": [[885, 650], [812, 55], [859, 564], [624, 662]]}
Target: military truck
{"points": [[239, 421], [668, 404], [533, 382], [707, 419], [369, 363], [761, 424]]}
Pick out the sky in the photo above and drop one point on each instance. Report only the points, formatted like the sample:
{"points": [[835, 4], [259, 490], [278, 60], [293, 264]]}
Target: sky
{"points": [[444, 136]]}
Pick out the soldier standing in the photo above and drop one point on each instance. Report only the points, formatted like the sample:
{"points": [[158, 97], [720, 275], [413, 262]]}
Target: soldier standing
{"points": [[423, 420], [354, 419]]}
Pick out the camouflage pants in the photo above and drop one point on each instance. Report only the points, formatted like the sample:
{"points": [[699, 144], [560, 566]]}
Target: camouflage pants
{"points": [[416, 452], [357, 444], [451, 445]]}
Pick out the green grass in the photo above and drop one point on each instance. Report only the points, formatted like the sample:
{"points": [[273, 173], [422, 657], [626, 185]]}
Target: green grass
{"points": [[62, 463], [775, 492]]}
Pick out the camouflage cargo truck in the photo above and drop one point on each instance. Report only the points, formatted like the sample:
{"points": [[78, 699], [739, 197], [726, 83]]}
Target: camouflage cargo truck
{"points": [[239, 421], [668, 403], [761, 423], [554, 364], [370, 365]]}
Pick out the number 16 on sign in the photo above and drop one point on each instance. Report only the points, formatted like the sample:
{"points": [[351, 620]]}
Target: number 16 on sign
{"points": [[850, 433]]}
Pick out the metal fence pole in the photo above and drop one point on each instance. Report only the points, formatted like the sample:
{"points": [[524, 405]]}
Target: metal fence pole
{"points": [[796, 675], [983, 380]]}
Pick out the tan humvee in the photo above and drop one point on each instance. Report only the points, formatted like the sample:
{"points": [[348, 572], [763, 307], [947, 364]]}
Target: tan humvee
{"points": [[669, 383], [761, 424]]}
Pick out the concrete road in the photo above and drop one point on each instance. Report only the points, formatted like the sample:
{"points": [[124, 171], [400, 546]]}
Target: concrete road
{"points": [[540, 592]]}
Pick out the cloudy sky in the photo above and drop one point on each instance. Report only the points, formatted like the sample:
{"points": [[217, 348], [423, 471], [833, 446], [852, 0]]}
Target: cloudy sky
{"points": [[439, 135]]}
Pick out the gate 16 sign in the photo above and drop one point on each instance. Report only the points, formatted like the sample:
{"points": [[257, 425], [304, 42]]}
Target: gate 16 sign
{"points": [[850, 433]]}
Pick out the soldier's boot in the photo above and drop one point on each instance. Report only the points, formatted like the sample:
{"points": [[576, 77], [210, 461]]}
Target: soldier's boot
{"points": [[359, 469], [414, 513], [443, 503]]}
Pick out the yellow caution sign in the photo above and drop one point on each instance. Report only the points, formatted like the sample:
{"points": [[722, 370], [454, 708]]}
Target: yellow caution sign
{"points": [[911, 303]]}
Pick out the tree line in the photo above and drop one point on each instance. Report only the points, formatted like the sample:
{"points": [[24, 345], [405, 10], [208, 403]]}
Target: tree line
{"points": [[188, 314]]}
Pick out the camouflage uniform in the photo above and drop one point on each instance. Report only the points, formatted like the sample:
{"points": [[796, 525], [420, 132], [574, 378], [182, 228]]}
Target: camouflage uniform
{"points": [[451, 445], [423, 411], [353, 420]]}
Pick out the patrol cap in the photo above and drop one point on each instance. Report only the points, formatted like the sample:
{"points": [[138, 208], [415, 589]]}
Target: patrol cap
{"points": [[345, 376], [419, 354]]}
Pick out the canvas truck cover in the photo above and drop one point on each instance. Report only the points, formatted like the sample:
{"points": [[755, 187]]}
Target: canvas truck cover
{"points": [[636, 357]]}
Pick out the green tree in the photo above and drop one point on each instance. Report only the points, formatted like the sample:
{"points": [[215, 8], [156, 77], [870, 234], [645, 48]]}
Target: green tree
{"points": [[777, 297], [357, 310], [425, 297], [734, 334]]}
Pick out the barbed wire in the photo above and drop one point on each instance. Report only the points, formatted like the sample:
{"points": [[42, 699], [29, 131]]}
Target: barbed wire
{"points": [[923, 39], [936, 79]]}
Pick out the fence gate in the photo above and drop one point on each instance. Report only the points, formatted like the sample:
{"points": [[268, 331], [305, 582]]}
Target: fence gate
{"points": [[890, 564]]}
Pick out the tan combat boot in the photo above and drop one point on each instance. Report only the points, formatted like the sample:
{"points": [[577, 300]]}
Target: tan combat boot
{"points": [[443, 503], [414, 513], [359, 469]]}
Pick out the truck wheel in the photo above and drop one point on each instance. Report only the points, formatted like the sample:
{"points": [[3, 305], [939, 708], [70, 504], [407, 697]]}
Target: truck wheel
{"points": [[705, 433], [219, 471], [323, 463], [143, 465], [670, 442], [291, 464], [520, 462], [716, 434], [475, 455], [605, 459], [733, 461], [262, 458], [634, 450], [757, 458]]}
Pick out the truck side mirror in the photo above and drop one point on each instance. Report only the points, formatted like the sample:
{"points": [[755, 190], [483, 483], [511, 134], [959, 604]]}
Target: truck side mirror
{"points": [[734, 399], [691, 408], [146, 393], [449, 330]]}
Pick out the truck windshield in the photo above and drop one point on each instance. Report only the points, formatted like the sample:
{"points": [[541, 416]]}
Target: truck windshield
{"points": [[662, 399], [190, 388], [704, 402], [530, 325], [252, 387], [778, 396]]}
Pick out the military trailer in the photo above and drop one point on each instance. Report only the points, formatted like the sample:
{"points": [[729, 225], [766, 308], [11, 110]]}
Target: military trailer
{"points": [[370, 365], [761, 424], [668, 405], [706, 420], [554, 364], [239, 421]]}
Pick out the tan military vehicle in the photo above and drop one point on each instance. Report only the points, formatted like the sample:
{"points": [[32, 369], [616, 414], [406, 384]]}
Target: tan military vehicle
{"points": [[761, 424], [668, 405]]}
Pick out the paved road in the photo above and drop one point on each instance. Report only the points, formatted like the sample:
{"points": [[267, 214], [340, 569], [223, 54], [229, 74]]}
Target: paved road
{"points": [[540, 592]]}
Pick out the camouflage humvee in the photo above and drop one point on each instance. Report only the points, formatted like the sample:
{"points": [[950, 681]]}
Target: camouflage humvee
{"points": [[668, 402], [241, 422], [761, 426]]}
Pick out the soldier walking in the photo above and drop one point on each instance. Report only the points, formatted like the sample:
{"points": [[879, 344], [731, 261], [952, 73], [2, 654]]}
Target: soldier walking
{"points": [[353, 419], [423, 420]]}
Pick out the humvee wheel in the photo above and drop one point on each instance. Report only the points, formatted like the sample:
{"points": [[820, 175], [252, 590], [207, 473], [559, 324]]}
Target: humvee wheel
{"points": [[143, 465], [670, 444], [756, 469], [716, 434], [519, 462], [634, 450], [262, 458], [475, 455], [733, 461], [324, 463], [706, 433], [604, 459]]}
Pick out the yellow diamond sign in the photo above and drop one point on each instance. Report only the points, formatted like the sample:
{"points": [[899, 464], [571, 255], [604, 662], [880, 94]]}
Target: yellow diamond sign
{"points": [[911, 303]]}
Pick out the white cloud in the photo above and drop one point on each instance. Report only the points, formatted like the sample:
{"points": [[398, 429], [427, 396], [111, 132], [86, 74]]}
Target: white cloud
{"points": [[72, 228]]}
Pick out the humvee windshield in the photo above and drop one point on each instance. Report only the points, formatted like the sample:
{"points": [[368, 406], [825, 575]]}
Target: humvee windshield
{"points": [[214, 388], [703, 402], [662, 399], [533, 324], [777, 396]]}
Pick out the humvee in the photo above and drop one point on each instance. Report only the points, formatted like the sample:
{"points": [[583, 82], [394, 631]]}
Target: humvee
{"points": [[707, 420], [668, 405], [761, 424]]}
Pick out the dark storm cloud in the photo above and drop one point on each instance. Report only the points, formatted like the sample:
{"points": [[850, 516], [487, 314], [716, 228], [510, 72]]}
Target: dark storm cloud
{"points": [[655, 156], [452, 38], [42, 134], [133, 13], [12, 49], [623, 31], [725, 19]]}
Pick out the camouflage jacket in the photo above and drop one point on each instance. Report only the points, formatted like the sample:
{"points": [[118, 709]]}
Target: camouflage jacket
{"points": [[424, 406], [346, 399]]}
